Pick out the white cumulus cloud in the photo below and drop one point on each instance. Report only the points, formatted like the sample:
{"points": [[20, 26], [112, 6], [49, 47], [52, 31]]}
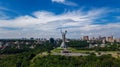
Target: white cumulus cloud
{"points": [[65, 2], [47, 24]]}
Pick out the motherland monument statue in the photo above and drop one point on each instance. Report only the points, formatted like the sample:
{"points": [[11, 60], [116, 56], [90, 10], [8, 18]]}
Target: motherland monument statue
{"points": [[63, 45]]}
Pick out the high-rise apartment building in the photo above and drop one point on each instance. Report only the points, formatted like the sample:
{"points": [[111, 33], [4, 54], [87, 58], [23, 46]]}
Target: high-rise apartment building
{"points": [[85, 37], [110, 39]]}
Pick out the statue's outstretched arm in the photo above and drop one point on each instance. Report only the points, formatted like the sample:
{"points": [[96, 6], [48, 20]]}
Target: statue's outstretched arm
{"points": [[61, 31]]}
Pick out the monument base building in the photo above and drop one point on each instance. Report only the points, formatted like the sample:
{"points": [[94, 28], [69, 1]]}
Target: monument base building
{"points": [[63, 45]]}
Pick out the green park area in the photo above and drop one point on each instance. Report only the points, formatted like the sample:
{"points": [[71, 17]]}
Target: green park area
{"points": [[43, 56], [58, 50], [115, 54]]}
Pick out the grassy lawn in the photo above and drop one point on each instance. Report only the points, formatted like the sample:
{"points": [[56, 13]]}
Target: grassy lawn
{"points": [[58, 50], [79, 51]]}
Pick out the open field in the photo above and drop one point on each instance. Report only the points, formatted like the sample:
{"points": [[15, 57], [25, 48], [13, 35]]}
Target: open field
{"points": [[115, 54]]}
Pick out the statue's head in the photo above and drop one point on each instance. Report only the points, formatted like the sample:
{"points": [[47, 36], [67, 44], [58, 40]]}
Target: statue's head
{"points": [[65, 31]]}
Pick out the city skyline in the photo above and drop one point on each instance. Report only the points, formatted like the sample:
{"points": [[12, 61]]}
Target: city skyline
{"points": [[45, 18]]}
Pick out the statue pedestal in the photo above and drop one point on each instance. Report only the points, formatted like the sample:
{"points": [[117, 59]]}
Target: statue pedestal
{"points": [[65, 51], [63, 45]]}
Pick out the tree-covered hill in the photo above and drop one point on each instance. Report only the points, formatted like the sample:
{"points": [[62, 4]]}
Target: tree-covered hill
{"points": [[81, 61]]}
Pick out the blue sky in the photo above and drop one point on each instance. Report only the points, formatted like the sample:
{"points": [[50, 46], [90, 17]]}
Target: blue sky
{"points": [[44, 18]]}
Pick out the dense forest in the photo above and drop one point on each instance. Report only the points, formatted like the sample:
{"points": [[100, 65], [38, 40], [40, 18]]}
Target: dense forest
{"points": [[81, 61], [24, 60], [22, 57]]}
